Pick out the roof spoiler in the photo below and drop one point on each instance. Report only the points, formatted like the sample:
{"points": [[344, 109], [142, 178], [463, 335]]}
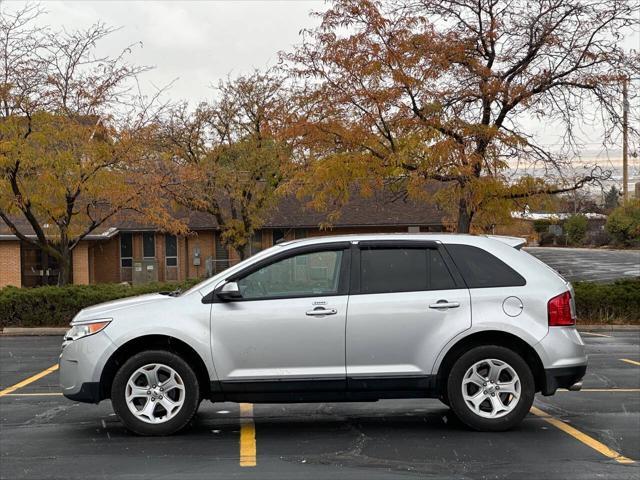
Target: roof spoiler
{"points": [[515, 242]]}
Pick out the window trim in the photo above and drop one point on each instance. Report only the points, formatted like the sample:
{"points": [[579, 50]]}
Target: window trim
{"points": [[343, 281], [355, 286]]}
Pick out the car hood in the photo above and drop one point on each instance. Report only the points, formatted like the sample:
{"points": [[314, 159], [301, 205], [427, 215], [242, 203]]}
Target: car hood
{"points": [[104, 310]]}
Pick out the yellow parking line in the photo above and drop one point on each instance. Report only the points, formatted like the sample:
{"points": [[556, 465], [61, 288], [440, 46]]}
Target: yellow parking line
{"points": [[632, 362], [29, 380], [247, 436], [595, 334], [582, 437]]}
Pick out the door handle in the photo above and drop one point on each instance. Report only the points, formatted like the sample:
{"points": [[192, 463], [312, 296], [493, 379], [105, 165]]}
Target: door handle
{"points": [[321, 311], [444, 305]]}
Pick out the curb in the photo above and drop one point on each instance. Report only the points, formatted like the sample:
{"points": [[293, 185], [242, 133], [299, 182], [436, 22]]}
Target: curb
{"points": [[33, 331]]}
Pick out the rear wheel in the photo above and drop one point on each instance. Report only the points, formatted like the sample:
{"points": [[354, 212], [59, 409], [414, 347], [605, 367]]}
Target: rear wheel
{"points": [[490, 388], [155, 393]]}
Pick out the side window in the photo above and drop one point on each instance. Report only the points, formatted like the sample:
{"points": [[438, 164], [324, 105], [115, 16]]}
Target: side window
{"points": [[387, 270], [480, 269], [309, 274], [439, 276]]}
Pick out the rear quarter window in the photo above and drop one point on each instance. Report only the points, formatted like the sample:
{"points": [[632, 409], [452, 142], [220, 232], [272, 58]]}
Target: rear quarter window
{"points": [[481, 269]]}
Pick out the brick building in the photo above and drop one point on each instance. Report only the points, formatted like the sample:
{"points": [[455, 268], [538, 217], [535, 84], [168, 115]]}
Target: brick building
{"points": [[126, 251]]}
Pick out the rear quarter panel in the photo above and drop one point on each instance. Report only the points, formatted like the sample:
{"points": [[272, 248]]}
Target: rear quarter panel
{"points": [[487, 313]]}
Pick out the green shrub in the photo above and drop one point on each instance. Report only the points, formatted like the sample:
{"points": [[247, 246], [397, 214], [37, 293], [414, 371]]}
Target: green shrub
{"points": [[541, 225], [576, 228], [623, 223], [547, 238], [617, 302], [56, 306]]}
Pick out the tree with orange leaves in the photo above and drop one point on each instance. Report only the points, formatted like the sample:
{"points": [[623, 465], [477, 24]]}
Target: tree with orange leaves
{"points": [[229, 157], [436, 91], [74, 137]]}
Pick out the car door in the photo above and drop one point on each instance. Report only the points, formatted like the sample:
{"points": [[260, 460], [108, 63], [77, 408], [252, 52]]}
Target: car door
{"points": [[287, 331], [407, 301]]}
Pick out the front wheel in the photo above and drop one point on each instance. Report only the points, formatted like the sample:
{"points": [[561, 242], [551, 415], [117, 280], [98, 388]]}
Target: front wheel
{"points": [[155, 393], [491, 388]]}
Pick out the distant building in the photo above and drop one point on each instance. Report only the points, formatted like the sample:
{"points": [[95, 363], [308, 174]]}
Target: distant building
{"points": [[127, 251]]}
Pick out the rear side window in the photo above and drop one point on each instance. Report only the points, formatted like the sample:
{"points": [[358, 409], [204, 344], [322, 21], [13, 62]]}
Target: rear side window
{"points": [[480, 269], [388, 270]]}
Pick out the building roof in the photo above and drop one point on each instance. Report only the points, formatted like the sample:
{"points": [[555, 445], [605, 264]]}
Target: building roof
{"points": [[382, 209]]}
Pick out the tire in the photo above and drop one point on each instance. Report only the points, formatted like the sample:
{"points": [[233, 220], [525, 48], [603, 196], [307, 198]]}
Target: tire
{"points": [[512, 398], [164, 370]]}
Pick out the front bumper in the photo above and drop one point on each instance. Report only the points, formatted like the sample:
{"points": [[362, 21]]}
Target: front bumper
{"points": [[565, 377], [89, 393], [81, 363]]}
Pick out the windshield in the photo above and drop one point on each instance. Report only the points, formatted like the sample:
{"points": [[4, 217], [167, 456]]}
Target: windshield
{"points": [[225, 273]]}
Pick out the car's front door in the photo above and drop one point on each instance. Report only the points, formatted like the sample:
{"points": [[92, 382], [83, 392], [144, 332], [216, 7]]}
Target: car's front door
{"points": [[287, 331], [405, 305]]}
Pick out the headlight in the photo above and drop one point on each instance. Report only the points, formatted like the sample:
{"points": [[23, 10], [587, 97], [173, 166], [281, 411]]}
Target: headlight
{"points": [[84, 329]]}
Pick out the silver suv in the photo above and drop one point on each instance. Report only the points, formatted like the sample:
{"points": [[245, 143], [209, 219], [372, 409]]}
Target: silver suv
{"points": [[473, 321]]}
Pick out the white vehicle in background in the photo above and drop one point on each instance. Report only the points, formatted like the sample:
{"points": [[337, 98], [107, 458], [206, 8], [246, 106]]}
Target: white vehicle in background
{"points": [[471, 320]]}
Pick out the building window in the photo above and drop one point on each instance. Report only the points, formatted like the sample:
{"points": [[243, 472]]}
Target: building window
{"points": [[126, 250], [278, 235], [171, 250], [256, 242], [148, 244], [299, 233], [222, 256]]}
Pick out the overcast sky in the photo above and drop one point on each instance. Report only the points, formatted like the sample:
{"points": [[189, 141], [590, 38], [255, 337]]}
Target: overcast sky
{"points": [[197, 43]]}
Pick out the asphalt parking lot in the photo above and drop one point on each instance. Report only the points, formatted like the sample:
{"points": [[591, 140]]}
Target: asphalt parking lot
{"points": [[590, 264], [594, 433]]}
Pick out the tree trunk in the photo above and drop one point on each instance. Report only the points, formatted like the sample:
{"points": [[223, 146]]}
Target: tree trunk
{"points": [[241, 251], [464, 217], [64, 277]]}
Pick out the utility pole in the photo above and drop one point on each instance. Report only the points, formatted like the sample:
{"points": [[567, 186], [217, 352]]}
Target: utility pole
{"points": [[625, 138]]}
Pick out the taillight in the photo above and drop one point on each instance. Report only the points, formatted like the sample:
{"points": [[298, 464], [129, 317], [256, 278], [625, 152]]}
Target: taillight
{"points": [[559, 311]]}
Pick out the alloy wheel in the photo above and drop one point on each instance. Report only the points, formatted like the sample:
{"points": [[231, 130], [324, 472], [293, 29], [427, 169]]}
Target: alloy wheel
{"points": [[155, 393], [491, 388]]}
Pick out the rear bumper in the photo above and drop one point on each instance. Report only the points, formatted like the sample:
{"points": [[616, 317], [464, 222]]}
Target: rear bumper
{"points": [[563, 377]]}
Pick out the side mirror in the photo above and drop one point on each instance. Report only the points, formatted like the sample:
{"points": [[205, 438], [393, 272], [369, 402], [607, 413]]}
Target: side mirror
{"points": [[228, 291]]}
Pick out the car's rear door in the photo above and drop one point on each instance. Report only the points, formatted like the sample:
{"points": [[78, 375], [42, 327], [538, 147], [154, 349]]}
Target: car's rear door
{"points": [[407, 301]]}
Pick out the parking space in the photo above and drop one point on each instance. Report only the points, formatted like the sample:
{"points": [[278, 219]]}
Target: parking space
{"points": [[43, 435], [590, 264]]}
